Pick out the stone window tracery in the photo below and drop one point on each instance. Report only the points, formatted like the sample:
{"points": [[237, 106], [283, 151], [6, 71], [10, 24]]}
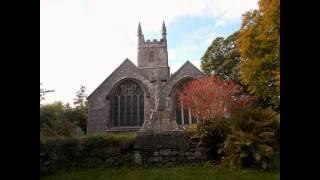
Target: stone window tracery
{"points": [[127, 105]]}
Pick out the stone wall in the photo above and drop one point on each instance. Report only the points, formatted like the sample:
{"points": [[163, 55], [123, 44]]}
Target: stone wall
{"points": [[164, 156], [172, 147], [111, 150], [152, 61], [99, 105], [99, 119]]}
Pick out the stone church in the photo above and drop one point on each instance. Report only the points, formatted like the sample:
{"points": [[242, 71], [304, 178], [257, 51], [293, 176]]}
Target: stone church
{"points": [[142, 97]]}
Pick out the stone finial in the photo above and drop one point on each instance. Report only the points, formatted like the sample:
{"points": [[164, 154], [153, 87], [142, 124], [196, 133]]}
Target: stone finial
{"points": [[164, 29], [139, 30], [140, 35]]}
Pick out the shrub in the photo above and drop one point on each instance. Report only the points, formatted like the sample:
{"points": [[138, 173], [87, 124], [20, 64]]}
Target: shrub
{"points": [[192, 130], [59, 120], [212, 97], [212, 133], [252, 139], [97, 149], [88, 151]]}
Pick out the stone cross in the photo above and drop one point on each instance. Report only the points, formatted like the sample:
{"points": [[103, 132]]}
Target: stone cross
{"points": [[158, 93]]}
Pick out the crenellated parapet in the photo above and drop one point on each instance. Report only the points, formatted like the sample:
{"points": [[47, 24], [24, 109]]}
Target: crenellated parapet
{"points": [[153, 43], [153, 54]]}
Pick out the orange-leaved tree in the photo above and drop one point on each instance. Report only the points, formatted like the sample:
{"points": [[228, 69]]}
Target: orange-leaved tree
{"points": [[212, 97], [259, 45]]}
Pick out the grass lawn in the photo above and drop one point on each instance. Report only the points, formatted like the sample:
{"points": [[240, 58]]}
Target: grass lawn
{"points": [[165, 173]]}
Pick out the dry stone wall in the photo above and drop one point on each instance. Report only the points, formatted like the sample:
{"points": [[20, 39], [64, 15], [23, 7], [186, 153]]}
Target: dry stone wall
{"points": [[168, 148]]}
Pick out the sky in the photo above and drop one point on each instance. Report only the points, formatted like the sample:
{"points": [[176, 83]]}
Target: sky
{"points": [[83, 41]]}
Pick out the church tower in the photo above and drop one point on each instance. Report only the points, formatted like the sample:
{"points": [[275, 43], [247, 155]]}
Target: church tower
{"points": [[153, 56]]}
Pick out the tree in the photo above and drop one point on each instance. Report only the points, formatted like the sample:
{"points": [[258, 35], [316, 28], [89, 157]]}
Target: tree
{"points": [[212, 97], [259, 44], [81, 97], [54, 122], [43, 92], [79, 114], [222, 58], [62, 120]]}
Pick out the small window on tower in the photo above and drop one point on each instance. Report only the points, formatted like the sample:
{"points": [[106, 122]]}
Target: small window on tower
{"points": [[151, 57]]}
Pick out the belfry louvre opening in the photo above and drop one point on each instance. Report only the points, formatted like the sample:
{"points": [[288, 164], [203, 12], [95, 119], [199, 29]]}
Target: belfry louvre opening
{"points": [[127, 105]]}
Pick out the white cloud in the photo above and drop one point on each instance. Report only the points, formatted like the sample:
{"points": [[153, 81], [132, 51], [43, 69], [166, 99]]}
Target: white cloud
{"points": [[83, 41], [189, 47], [229, 9]]}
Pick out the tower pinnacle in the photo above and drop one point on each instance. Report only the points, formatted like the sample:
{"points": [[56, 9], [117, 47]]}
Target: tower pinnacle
{"points": [[164, 29], [140, 35], [139, 30]]}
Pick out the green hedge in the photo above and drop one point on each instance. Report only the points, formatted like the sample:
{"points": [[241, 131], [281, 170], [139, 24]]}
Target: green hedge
{"points": [[88, 151]]}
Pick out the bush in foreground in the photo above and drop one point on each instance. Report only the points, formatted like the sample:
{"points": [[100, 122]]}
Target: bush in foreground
{"points": [[212, 133], [252, 139], [87, 151]]}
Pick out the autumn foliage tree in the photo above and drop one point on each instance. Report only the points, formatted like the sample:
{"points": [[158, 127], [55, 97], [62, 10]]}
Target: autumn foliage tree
{"points": [[212, 97], [259, 44]]}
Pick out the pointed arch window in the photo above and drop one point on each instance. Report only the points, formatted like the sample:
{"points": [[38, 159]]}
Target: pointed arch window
{"points": [[182, 114], [127, 105]]}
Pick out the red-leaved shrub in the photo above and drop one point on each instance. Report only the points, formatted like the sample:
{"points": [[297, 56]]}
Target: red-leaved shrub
{"points": [[212, 97]]}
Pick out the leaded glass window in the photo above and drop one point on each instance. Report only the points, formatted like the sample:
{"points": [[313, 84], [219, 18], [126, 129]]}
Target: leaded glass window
{"points": [[182, 114], [127, 105]]}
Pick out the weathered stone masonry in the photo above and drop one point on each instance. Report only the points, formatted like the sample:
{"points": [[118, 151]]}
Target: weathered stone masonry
{"points": [[152, 76], [173, 147]]}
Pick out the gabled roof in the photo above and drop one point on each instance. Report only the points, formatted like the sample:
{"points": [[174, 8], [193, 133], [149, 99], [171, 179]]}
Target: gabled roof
{"points": [[124, 63], [185, 65]]}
